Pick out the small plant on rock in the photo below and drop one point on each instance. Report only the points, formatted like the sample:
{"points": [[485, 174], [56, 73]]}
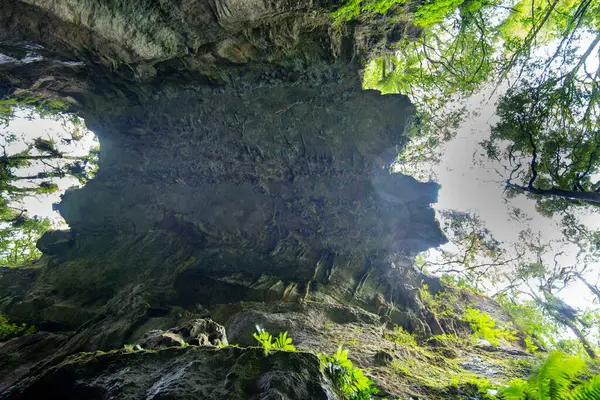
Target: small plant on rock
{"points": [[283, 342], [349, 380], [265, 339], [530, 345]]}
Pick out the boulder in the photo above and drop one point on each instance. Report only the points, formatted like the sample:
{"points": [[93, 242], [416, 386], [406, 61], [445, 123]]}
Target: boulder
{"points": [[198, 332]]}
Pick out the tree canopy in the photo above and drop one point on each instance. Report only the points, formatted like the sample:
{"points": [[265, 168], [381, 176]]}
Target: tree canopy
{"points": [[541, 59], [465, 46]]}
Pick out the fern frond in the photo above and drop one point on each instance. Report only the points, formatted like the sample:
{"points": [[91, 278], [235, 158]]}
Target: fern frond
{"points": [[555, 390], [554, 380], [587, 391], [283, 342], [559, 370]]}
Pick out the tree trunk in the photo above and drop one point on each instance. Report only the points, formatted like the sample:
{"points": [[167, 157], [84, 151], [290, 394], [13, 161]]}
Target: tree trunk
{"points": [[586, 344], [61, 157], [568, 321], [49, 175], [589, 197]]}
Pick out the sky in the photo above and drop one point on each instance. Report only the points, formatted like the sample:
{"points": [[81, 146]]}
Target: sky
{"points": [[468, 179]]}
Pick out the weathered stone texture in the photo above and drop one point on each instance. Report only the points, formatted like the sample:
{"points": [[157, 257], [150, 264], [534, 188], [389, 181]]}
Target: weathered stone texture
{"points": [[190, 373]]}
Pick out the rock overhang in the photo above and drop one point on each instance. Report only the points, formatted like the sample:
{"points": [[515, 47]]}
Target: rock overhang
{"points": [[259, 145]]}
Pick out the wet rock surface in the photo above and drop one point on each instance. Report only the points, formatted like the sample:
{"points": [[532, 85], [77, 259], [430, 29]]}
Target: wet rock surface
{"points": [[399, 369], [265, 178], [19, 356]]}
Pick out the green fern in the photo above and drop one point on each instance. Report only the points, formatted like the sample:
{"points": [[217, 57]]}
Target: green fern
{"points": [[518, 389], [265, 339], [349, 380], [283, 343], [556, 374], [587, 391], [554, 380], [555, 391]]}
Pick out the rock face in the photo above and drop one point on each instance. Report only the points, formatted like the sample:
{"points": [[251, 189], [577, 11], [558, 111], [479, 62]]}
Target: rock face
{"points": [[240, 162], [271, 184], [190, 373]]}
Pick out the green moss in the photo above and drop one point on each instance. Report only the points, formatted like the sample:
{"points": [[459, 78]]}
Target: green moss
{"points": [[436, 377], [438, 369], [401, 337], [354, 8], [441, 304], [435, 374], [485, 327], [427, 14], [449, 340], [83, 357], [9, 330], [352, 342]]}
